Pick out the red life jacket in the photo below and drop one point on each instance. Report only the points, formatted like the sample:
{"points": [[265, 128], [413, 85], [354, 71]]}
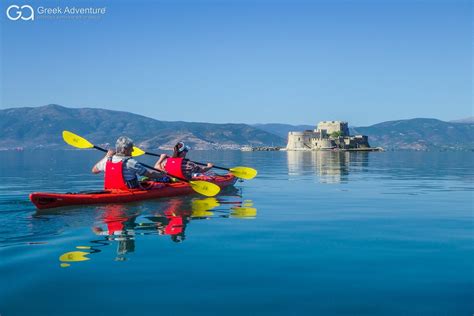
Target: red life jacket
{"points": [[113, 178], [174, 166]]}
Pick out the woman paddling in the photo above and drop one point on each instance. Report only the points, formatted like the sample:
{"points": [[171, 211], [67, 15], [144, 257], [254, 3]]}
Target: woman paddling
{"points": [[177, 165]]}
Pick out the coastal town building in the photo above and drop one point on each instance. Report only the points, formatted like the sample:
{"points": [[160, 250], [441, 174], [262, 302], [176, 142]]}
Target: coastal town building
{"points": [[328, 135]]}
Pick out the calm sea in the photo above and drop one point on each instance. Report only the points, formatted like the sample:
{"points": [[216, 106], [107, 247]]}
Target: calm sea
{"points": [[314, 234]]}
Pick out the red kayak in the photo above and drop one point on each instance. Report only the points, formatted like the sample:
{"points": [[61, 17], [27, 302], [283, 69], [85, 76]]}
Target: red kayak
{"points": [[43, 200]]}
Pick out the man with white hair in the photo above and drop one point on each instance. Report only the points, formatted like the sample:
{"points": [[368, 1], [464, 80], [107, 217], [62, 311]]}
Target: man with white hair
{"points": [[121, 170]]}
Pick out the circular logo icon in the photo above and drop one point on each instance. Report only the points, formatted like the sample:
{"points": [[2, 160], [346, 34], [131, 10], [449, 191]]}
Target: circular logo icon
{"points": [[25, 12]]}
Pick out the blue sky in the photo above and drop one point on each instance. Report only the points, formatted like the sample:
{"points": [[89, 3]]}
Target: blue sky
{"points": [[295, 62]]}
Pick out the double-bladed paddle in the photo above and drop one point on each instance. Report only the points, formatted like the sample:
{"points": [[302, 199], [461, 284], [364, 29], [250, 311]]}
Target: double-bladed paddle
{"points": [[203, 187], [246, 173]]}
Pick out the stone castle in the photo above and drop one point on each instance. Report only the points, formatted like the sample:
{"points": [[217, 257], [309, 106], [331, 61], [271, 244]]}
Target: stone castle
{"points": [[328, 135]]}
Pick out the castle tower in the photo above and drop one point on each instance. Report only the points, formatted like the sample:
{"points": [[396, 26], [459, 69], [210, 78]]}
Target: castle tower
{"points": [[297, 141], [329, 127]]}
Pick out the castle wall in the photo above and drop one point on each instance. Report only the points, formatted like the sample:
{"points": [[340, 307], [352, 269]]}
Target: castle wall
{"points": [[361, 141], [321, 139], [299, 140], [325, 144]]}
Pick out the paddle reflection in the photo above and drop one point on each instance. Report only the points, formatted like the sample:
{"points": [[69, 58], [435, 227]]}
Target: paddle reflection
{"points": [[123, 225]]}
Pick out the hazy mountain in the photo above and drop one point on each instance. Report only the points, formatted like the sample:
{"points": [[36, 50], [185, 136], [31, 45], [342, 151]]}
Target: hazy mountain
{"points": [[412, 134], [282, 129], [469, 119], [42, 126], [420, 134]]}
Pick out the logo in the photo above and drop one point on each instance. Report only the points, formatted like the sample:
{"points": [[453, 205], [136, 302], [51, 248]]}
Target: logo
{"points": [[25, 12]]}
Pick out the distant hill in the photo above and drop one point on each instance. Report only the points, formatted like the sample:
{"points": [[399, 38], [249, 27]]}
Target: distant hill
{"points": [[420, 134], [412, 134], [38, 127], [282, 129], [469, 119], [41, 127]]}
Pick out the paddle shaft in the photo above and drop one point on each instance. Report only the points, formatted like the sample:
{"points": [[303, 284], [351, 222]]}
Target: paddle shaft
{"points": [[100, 148], [147, 166], [197, 163], [153, 168], [205, 164]]}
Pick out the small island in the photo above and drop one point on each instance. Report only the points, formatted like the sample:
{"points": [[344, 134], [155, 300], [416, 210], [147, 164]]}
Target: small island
{"points": [[329, 135]]}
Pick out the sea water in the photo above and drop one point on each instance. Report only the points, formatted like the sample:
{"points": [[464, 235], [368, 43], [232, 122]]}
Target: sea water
{"points": [[316, 233]]}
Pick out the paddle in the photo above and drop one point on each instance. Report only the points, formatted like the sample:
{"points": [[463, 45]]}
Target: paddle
{"points": [[203, 187], [246, 173], [82, 143]]}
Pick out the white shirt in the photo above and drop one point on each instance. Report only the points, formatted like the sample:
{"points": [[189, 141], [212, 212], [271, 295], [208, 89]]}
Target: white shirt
{"points": [[131, 169]]}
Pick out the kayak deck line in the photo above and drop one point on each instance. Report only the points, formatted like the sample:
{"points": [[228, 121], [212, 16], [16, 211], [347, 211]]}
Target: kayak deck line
{"points": [[47, 200], [90, 192]]}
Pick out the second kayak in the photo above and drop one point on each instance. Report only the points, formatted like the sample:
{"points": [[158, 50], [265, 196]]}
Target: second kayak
{"points": [[44, 200]]}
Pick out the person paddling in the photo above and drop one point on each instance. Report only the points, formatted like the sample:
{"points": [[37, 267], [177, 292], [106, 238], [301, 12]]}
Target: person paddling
{"points": [[121, 170], [177, 165]]}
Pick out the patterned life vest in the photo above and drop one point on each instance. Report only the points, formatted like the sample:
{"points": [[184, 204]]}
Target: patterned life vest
{"points": [[174, 166], [113, 179]]}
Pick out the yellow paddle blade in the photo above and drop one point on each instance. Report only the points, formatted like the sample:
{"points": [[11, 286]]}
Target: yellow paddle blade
{"points": [[76, 140], [204, 204], [205, 188], [201, 213], [74, 256], [244, 212], [137, 152], [244, 172], [65, 265], [83, 247]]}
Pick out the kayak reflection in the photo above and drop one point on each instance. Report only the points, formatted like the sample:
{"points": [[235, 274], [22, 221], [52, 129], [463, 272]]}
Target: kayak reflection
{"points": [[122, 225]]}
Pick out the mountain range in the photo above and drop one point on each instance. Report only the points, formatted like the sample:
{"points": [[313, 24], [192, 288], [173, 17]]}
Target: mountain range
{"points": [[41, 127], [34, 127], [411, 134], [420, 134]]}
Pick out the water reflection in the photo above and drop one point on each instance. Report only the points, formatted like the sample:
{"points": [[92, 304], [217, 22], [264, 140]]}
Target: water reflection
{"points": [[118, 224], [123, 225], [330, 166]]}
